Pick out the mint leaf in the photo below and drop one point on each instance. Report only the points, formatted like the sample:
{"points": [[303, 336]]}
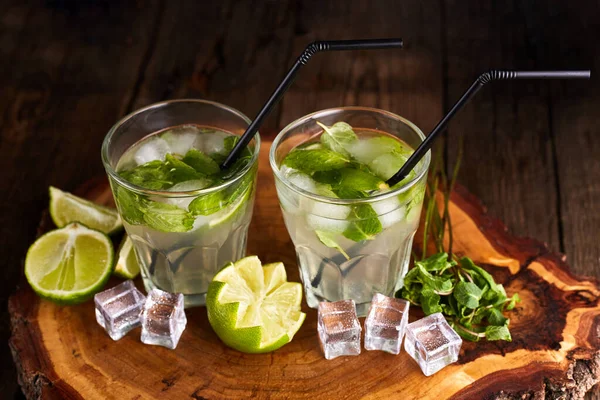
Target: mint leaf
{"points": [[438, 283], [391, 145], [437, 262], [130, 205], [200, 162], [332, 177], [167, 217], [327, 238], [208, 204], [497, 333], [153, 175], [430, 301], [364, 224], [338, 137], [346, 192], [495, 317], [359, 180], [311, 161], [513, 300], [467, 294], [179, 171]]}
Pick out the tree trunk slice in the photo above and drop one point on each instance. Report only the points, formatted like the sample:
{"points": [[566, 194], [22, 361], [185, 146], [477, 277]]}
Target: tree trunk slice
{"points": [[61, 352]]}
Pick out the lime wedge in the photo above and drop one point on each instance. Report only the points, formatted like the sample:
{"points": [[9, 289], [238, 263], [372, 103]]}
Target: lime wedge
{"points": [[127, 264], [66, 208], [232, 211], [252, 308], [69, 265]]}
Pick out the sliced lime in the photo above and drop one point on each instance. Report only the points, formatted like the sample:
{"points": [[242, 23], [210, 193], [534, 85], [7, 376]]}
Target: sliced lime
{"points": [[252, 308], [232, 211], [69, 265], [66, 208], [127, 264]]}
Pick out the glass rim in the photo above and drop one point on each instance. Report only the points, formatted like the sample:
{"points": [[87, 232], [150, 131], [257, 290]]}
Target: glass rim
{"points": [[165, 193], [329, 200]]}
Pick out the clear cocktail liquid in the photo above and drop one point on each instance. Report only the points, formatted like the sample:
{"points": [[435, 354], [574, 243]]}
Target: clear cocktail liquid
{"points": [[183, 239], [362, 247]]}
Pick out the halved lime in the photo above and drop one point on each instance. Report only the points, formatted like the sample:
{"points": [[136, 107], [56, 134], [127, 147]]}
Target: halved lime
{"points": [[254, 309], [66, 208], [69, 265], [127, 266]]}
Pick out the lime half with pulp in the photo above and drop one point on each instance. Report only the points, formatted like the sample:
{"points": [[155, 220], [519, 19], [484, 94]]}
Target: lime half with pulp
{"points": [[127, 266], [254, 309], [66, 208], [69, 265]]}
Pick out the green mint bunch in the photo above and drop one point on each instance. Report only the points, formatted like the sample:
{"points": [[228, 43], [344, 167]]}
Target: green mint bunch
{"points": [[466, 294], [194, 169]]}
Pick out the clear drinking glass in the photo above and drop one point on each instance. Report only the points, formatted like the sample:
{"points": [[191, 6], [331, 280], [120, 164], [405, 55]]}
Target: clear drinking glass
{"points": [[176, 260], [365, 267]]}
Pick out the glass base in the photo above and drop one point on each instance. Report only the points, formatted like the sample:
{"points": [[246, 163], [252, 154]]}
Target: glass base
{"points": [[189, 300]]}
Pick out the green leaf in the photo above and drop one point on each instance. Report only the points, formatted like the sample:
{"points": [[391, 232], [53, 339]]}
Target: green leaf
{"points": [[430, 301], [497, 333], [311, 161], [467, 294], [513, 301], [153, 175], [364, 223], [130, 205], [338, 137], [495, 317], [438, 283], [167, 217], [359, 180], [437, 262], [327, 238], [179, 171], [202, 163], [208, 204], [332, 177]]}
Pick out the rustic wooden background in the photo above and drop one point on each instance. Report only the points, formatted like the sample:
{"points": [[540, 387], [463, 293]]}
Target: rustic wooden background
{"points": [[70, 69]]}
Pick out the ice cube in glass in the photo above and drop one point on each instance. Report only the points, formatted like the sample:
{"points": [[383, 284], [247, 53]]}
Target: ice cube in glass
{"points": [[385, 323], [163, 318], [339, 329], [432, 343], [118, 309]]}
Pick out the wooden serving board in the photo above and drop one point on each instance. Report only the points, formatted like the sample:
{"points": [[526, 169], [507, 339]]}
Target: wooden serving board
{"points": [[61, 352]]}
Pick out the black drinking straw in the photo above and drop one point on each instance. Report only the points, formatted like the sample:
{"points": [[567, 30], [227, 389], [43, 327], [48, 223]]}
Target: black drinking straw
{"points": [[484, 78], [311, 49]]}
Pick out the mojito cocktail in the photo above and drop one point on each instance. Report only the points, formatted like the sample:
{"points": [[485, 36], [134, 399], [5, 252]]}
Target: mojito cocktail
{"points": [[352, 232], [185, 216]]}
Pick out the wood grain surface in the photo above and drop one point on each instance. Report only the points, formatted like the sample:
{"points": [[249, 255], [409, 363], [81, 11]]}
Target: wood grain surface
{"points": [[69, 69], [61, 352]]}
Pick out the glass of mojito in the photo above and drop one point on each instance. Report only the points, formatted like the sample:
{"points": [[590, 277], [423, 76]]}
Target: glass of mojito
{"points": [[185, 216], [352, 232]]}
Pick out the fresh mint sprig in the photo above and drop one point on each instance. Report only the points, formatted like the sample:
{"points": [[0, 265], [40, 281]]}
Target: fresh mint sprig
{"points": [[467, 295]]}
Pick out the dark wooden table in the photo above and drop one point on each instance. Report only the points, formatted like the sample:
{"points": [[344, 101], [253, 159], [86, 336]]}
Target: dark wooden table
{"points": [[70, 69]]}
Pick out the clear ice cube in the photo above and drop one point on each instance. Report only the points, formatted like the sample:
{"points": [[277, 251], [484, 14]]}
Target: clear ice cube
{"points": [[432, 343], [385, 323], [163, 318], [118, 309], [339, 329], [153, 149], [181, 139]]}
